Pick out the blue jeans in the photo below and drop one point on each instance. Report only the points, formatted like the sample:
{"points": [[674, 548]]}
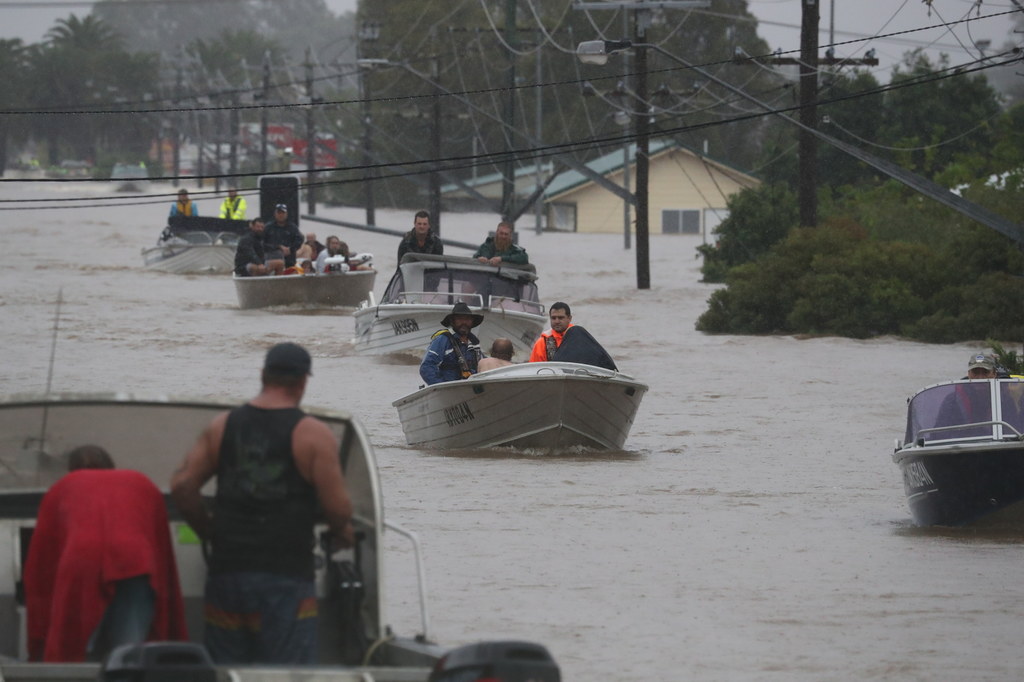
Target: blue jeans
{"points": [[254, 617], [127, 619]]}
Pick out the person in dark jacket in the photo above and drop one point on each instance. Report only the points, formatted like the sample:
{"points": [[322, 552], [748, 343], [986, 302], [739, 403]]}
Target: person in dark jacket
{"points": [[453, 353], [250, 258], [420, 239], [282, 238], [500, 249]]}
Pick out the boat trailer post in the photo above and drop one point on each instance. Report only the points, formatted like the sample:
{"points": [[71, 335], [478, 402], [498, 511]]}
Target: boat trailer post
{"points": [[420, 574]]}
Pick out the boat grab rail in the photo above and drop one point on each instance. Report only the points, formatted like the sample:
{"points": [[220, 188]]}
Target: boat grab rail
{"points": [[518, 304], [957, 427], [434, 297], [421, 576]]}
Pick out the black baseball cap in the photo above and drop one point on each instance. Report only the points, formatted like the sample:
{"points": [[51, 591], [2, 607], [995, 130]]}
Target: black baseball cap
{"points": [[289, 358]]}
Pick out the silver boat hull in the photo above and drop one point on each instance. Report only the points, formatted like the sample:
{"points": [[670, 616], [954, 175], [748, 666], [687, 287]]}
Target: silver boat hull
{"points": [[543, 405], [345, 289], [183, 259]]}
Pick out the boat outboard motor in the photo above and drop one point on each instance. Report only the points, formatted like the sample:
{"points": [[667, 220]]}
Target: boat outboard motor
{"points": [[159, 662], [497, 662]]}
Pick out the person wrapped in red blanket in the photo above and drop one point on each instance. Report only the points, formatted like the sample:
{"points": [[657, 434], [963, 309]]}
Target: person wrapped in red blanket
{"points": [[100, 570]]}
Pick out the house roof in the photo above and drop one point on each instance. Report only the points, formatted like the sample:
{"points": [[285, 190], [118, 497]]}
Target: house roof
{"points": [[612, 162]]}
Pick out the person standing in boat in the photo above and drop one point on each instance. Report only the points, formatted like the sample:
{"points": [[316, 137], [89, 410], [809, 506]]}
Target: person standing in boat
{"points": [[277, 470], [184, 206], [500, 248], [420, 239], [282, 239], [100, 570], [233, 207], [501, 355], [454, 352]]}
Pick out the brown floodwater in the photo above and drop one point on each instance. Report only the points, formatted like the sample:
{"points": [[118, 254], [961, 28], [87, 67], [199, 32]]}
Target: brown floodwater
{"points": [[755, 528]]}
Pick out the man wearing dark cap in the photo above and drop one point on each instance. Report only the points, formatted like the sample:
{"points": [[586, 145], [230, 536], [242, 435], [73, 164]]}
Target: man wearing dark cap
{"points": [[273, 464], [282, 238], [454, 352]]}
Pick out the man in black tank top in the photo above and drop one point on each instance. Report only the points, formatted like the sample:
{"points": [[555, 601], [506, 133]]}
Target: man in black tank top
{"points": [[275, 467]]}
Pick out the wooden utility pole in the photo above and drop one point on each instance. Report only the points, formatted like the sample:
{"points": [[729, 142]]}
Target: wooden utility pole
{"points": [[435, 146], [508, 174], [264, 100], [808, 188], [310, 138]]}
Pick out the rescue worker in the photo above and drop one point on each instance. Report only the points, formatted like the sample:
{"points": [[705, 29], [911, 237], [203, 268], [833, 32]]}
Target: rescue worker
{"points": [[560, 317], [233, 207], [453, 354]]}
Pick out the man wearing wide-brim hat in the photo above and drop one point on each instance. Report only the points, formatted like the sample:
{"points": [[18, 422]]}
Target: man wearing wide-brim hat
{"points": [[454, 352]]}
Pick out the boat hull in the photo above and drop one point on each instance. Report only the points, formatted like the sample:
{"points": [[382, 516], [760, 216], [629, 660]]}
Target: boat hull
{"points": [[408, 328], [344, 289], [962, 457], [185, 259], [965, 484], [546, 405]]}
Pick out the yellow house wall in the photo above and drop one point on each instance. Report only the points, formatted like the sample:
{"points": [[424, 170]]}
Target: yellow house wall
{"points": [[677, 180]]}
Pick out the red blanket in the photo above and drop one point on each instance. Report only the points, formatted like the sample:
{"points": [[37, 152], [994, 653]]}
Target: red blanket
{"points": [[96, 527]]}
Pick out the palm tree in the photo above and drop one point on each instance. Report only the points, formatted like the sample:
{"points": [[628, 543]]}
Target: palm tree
{"points": [[88, 34]]}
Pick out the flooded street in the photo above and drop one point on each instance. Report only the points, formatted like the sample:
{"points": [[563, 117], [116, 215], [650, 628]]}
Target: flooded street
{"points": [[755, 528]]}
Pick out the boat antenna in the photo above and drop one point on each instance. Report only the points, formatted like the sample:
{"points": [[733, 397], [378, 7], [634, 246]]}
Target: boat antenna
{"points": [[49, 370]]}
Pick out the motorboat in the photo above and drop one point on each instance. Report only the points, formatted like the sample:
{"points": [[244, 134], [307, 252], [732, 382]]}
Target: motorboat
{"points": [[195, 245], [549, 406], [333, 289], [425, 287], [151, 435], [962, 457]]}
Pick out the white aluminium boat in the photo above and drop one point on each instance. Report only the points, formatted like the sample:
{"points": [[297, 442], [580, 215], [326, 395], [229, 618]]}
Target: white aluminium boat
{"points": [[335, 289], [151, 435], [424, 289], [543, 405], [195, 246]]}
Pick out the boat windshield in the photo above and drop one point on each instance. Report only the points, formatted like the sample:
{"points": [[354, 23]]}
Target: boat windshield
{"points": [[973, 410], [480, 288]]}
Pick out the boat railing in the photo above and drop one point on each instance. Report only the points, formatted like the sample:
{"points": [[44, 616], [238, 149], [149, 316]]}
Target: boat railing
{"points": [[439, 298], [511, 304], [421, 576], [1017, 435]]}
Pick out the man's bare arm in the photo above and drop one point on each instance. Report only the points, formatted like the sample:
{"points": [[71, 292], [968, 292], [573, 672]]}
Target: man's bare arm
{"points": [[200, 466], [316, 455]]}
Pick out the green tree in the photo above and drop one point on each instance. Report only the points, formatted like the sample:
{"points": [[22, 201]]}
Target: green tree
{"points": [[12, 95], [758, 218]]}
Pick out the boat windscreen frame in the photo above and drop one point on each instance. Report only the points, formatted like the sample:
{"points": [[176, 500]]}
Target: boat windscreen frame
{"points": [[978, 410]]}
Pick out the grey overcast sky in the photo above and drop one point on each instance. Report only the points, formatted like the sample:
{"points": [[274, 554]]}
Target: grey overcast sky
{"points": [[779, 24]]}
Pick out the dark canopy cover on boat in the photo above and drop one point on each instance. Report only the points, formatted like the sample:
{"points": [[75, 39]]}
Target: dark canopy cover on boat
{"points": [[579, 346], [180, 224]]}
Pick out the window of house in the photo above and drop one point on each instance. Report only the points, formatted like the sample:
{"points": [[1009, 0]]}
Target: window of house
{"points": [[680, 221]]}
